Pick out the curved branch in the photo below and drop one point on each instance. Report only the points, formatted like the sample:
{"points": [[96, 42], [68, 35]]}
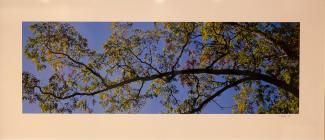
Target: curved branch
{"points": [[216, 60], [252, 75], [219, 92]]}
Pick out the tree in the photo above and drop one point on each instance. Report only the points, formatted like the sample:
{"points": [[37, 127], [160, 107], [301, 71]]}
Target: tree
{"points": [[260, 61]]}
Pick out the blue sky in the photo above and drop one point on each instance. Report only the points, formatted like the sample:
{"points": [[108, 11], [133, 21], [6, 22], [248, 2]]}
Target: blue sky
{"points": [[97, 33]]}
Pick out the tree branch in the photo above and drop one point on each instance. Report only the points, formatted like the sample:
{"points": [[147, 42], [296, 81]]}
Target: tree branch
{"points": [[206, 101], [216, 60], [144, 62], [82, 64], [187, 40], [252, 75]]}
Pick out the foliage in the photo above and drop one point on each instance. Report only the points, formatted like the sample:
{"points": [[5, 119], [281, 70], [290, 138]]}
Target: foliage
{"points": [[185, 64]]}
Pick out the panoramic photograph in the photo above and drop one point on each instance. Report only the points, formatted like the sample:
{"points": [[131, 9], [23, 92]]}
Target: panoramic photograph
{"points": [[160, 67]]}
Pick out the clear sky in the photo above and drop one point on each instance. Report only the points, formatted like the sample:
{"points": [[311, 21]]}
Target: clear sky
{"points": [[97, 33]]}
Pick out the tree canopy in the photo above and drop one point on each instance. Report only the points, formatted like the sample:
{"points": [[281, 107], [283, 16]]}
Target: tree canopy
{"points": [[260, 61]]}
